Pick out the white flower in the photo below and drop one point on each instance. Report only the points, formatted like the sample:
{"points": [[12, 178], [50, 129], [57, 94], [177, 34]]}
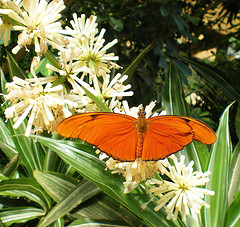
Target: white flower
{"points": [[38, 23], [82, 27], [115, 87], [134, 172], [87, 49], [5, 26], [182, 192], [44, 105]]}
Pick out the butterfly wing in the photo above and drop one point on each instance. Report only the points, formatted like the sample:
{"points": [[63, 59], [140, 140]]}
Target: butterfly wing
{"points": [[169, 134], [113, 134]]}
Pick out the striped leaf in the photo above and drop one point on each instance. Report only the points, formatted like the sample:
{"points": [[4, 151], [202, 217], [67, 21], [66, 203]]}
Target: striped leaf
{"points": [[12, 166], [173, 98], [219, 164], [98, 223], [19, 214], [234, 182], [232, 217], [5, 135], [29, 188], [79, 194], [59, 185], [103, 207], [31, 154], [3, 90]]}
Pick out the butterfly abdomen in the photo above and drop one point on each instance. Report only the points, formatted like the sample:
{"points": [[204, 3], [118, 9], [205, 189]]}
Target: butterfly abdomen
{"points": [[141, 127]]}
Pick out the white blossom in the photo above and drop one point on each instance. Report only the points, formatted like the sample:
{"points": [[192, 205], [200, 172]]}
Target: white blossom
{"points": [[43, 105], [38, 23], [87, 47], [183, 192]]}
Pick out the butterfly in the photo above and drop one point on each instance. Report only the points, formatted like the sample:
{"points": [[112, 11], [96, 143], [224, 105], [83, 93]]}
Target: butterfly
{"points": [[126, 138]]}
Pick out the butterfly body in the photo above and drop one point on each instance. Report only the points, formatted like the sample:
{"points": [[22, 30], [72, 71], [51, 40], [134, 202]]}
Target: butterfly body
{"points": [[141, 128], [126, 138]]}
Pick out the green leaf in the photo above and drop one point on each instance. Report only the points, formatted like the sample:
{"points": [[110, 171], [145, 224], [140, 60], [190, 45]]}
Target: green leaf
{"points": [[173, 98], [29, 188], [212, 75], [233, 213], [192, 19], [52, 59], [58, 223], [237, 121], [133, 65], [234, 185], [202, 153], [116, 24], [10, 20], [173, 101], [60, 80], [19, 214], [181, 24], [8, 150], [98, 223], [163, 10], [93, 169], [103, 207], [79, 194], [31, 153], [98, 100], [12, 166], [59, 185], [55, 186], [3, 82], [219, 165], [14, 69], [43, 69], [51, 161], [5, 135]]}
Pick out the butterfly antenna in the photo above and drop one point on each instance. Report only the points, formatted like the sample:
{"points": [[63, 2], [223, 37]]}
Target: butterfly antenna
{"points": [[140, 107]]}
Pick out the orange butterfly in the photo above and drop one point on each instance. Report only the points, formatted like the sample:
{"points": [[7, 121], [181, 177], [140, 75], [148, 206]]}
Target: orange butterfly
{"points": [[126, 138]]}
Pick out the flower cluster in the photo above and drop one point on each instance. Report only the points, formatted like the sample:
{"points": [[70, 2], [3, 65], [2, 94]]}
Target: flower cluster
{"points": [[84, 47], [44, 105], [83, 63], [135, 172], [37, 21], [183, 192]]}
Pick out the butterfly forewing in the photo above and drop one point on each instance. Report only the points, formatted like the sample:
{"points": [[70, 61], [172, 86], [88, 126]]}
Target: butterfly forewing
{"points": [[164, 137], [113, 134]]}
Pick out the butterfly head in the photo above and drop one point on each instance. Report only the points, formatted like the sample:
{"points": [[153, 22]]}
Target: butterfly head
{"points": [[141, 112]]}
